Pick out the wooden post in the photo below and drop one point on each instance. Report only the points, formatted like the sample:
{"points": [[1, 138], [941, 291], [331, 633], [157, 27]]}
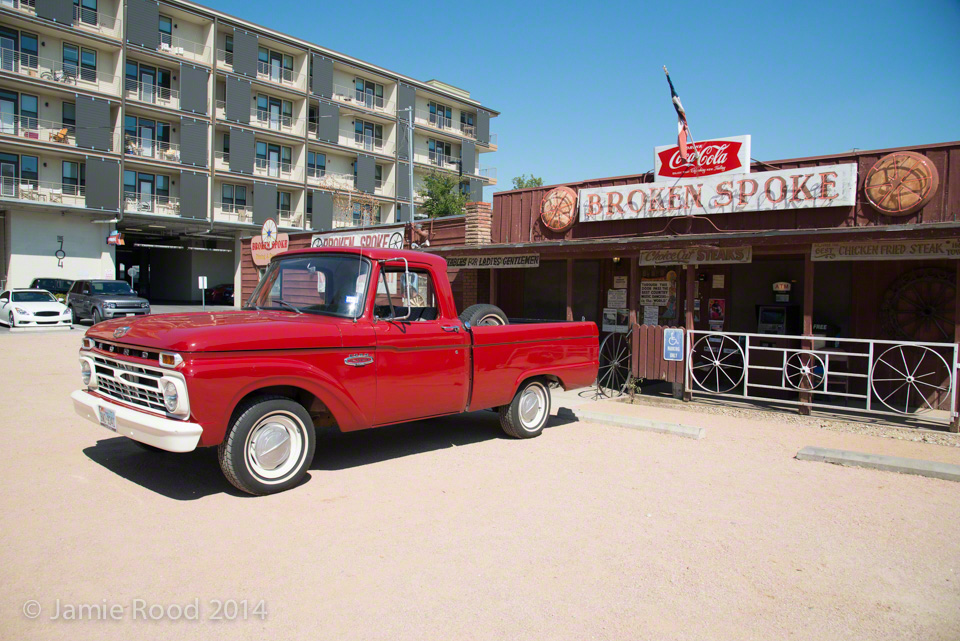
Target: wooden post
{"points": [[955, 401], [493, 286], [569, 289], [689, 287], [807, 397], [633, 288]]}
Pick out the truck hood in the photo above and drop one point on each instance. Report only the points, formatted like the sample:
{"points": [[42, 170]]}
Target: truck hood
{"points": [[222, 331]]}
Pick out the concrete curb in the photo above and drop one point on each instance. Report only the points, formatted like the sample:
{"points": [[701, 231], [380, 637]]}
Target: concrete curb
{"points": [[932, 469], [637, 423]]}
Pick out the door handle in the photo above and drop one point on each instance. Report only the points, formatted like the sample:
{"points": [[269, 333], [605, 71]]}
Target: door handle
{"points": [[450, 328]]}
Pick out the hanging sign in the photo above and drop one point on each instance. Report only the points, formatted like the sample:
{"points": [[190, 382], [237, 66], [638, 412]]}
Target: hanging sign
{"points": [[887, 250], [262, 254], [717, 256], [782, 190], [714, 157], [494, 262], [383, 238]]}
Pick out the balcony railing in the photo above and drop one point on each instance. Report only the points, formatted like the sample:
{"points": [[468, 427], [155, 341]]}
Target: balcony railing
{"points": [[276, 169], [441, 161], [84, 18], [42, 192], [356, 98], [31, 128], [287, 218], [55, 71], [149, 148], [383, 187], [177, 46], [279, 75], [273, 120], [151, 204], [364, 142], [224, 58], [436, 121], [490, 173], [493, 140], [232, 212], [331, 180], [152, 94]]}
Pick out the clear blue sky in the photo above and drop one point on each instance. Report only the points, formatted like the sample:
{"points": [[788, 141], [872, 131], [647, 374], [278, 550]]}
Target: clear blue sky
{"points": [[582, 93]]}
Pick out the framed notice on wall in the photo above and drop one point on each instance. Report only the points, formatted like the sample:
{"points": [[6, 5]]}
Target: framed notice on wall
{"points": [[615, 320]]}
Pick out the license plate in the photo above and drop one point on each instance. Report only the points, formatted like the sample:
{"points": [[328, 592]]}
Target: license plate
{"points": [[108, 418], [131, 314]]}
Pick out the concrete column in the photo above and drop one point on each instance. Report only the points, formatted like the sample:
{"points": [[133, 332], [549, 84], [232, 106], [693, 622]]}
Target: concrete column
{"points": [[807, 397]]}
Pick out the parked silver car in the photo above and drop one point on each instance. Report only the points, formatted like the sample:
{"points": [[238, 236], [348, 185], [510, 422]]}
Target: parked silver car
{"points": [[104, 299]]}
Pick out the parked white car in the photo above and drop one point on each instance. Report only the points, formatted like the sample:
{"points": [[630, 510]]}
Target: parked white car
{"points": [[32, 308]]}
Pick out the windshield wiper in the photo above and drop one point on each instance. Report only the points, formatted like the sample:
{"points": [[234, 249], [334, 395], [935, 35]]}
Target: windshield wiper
{"points": [[293, 307]]}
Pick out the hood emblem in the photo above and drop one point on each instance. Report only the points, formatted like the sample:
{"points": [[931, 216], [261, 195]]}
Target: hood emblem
{"points": [[120, 332]]}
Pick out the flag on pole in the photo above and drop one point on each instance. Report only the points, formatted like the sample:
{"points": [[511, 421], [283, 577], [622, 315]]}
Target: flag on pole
{"points": [[683, 131]]}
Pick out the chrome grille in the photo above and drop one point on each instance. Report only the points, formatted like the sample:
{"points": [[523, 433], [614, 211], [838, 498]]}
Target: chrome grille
{"points": [[129, 382]]}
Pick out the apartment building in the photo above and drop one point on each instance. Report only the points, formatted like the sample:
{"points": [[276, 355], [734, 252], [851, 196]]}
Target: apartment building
{"points": [[184, 129]]}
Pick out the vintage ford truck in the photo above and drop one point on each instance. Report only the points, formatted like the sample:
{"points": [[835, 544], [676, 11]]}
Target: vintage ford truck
{"points": [[343, 339]]}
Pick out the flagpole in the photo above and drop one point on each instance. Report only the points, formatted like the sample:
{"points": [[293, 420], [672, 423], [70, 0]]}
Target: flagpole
{"points": [[693, 144]]}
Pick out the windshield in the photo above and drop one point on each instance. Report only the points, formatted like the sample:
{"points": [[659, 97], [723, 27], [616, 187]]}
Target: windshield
{"points": [[57, 285], [33, 297], [319, 284], [111, 287]]}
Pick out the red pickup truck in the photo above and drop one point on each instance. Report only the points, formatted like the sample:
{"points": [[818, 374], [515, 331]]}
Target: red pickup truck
{"points": [[338, 338]]}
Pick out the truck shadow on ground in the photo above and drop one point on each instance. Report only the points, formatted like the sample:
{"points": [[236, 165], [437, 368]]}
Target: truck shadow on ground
{"points": [[194, 475]]}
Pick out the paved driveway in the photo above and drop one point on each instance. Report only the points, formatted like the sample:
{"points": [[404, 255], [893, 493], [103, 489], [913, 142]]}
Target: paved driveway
{"points": [[446, 530]]}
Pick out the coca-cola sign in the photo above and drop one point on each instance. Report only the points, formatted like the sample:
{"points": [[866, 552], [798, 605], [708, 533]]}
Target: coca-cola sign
{"points": [[718, 156]]}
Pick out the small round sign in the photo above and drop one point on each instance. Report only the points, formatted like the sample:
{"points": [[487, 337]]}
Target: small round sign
{"points": [[558, 211], [268, 233]]}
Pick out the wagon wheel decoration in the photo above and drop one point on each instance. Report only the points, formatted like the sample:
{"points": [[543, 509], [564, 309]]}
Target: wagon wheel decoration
{"points": [[716, 363], [901, 183], [804, 370], [614, 372], [558, 210], [919, 306], [911, 379]]}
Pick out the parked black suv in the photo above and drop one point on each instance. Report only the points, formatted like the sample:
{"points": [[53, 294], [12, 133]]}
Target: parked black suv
{"points": [[100, 299], [56, 286]]}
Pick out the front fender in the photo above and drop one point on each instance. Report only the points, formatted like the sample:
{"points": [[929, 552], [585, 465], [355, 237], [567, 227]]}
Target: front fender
{"points": [[217, 385]]}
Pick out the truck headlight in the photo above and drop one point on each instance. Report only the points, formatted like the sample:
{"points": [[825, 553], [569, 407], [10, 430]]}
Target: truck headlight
{"points": [[86, 372], [144, 305], [110, 305], [171, 398]]}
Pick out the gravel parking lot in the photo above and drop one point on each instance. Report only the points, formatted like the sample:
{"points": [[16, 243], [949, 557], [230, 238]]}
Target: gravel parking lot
{"points": [[446, 529]]}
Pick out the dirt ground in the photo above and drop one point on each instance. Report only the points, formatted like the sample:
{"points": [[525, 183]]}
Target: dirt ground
{"points": [[446, 529]]}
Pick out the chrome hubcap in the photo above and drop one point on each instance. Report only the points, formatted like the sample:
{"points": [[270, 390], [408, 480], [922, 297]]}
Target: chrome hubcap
{"points": [[533, 404], [275, 446], [490, 319], [271, 447]]}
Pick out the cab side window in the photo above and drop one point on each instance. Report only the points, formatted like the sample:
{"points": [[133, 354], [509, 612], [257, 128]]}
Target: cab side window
{"points": [[417, 295]]}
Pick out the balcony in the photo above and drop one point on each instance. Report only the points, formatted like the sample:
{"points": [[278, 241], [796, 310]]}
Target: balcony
{"points": [[440, 161], [266, 120], [30, 128], [42, 192], [151, 94], [56, 71], [279, 76], [83, 18], [183, 48], [151, 204], [331, 181], [383, 187], [487, 173], [287, 218], [436, 121], [232, 213], [151, 149], [364, 142], [276, 170], [356, 98]]}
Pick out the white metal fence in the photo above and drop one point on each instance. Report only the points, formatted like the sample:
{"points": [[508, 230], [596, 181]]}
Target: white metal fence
{"points": [[897, 378]]}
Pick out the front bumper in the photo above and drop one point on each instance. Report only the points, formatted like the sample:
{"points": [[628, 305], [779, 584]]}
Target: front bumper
{"points": [[42, 321], [120, 313], [165, 433]]}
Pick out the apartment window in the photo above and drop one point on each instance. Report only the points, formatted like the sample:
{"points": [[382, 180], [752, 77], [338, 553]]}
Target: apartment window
{"points": [[273, 158], [149, 83], [69, 116], [73, 177], [368, 134], [316, 164], [233, 197], [369, 93], [163, 189], [378, 176], [226, 147], [277, 66], [71, 60], [9, 167], [466, 124], [283, 202], [440, 115], [439, 152], [145, 137], [273, 111], [313, 118], [85, 11], [30, 170], [166, 30], [365, 215], [228, 50], [29, 106], [80, 62], [309, 205], [28, 50]]}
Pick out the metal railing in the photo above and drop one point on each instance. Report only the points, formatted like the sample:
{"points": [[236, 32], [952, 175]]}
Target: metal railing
{"points": [[54, 70], [450, 163], [232, 213], [177, 46], [224, 58], [271, 120], [383, 187], [895, 378], [278, 74], [490, 173], [151, 204], [493, 140], [151, 93], [42, 192], [332, 181], [149, 148], [82, 17], [365, 142], [31, 128], [288, 218], [356, 98], [436, 121], [276, 169]]}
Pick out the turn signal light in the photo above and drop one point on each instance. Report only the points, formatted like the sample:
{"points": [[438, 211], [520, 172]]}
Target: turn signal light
{"points": [[170, 359]]}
